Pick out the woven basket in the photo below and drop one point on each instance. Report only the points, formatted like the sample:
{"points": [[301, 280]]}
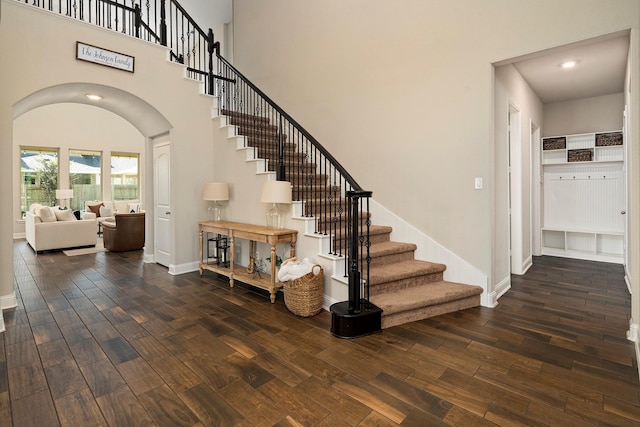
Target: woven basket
{"points": [[608, 139], [304, 295]]}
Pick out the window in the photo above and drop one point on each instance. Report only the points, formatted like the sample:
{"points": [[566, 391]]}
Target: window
{"points": [[38, 176], [125, 176], [85, 176]]}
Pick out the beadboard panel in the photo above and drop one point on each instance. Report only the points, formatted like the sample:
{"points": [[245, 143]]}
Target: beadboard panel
{"points": [[584, 197]]}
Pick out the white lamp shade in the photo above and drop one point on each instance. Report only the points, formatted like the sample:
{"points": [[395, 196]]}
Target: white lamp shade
{"points": [[64, 194], [216, 191], [276, 192]]}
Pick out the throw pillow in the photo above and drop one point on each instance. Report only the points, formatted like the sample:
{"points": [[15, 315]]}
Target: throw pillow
{"points": [[64, 215], [105, 212], [47, 214], [96, 209]]}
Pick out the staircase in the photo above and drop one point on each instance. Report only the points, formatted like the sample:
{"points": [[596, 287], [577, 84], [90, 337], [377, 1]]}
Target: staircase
{"points": [[405, 289]]}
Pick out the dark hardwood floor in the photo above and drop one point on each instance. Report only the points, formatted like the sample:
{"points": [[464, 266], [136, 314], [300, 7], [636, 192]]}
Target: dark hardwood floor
{"points": [[104, 339]]}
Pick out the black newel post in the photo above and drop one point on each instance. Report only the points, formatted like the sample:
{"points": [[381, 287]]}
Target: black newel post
{"points": [[354, 253], [356, 317]]}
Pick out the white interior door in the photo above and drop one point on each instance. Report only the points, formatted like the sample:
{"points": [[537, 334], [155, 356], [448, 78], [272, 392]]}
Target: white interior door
{"points": [[162, 203], [515, 192], [625, 209]]}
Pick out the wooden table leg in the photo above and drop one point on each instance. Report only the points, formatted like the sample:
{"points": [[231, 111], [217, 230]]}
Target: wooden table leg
{"points": [[272, 285], [232, 264], [201, 243], [292, 248]]}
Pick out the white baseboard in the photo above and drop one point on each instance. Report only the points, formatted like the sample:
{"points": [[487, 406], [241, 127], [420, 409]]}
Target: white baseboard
{"points": [[184, 268], [328, 302], [8, 301], [526, 265], [627, 280], [632, 335], [18, 236], [501, 288], [637, 346]]}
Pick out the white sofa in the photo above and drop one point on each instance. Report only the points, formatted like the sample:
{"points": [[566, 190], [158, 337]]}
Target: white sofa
{"points": [[105, 211], [64, 231], [108, 208]]}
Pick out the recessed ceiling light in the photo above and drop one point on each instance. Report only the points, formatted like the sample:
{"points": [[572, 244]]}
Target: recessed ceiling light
{"points": [[93, 97], [568, 64]]}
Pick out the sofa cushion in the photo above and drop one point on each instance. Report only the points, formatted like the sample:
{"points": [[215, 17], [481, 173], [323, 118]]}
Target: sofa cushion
{"points": [[64, 215], [47, 214], [105, 211], [120, 206], [95, 208]]}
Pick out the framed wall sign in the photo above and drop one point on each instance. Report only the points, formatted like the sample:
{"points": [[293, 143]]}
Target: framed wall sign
{"points": [[109, 58]]}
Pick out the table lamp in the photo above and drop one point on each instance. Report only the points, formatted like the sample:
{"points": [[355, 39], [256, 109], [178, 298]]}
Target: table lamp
{"points": [[276, 192], [64, 196], [216, 192]]}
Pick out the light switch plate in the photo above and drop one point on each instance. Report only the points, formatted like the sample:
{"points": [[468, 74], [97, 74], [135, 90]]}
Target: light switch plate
{"points": [[478, 183]]}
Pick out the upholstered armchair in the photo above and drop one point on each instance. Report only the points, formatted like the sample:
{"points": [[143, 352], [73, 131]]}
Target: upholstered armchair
{"points": [[125, 234]]}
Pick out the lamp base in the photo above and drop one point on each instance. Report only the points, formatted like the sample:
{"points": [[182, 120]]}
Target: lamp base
{"points": [[215, 212], [274, 217]]}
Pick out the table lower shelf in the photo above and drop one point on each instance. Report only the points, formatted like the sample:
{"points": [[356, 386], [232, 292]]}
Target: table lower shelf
{"points": [[239, 273]]}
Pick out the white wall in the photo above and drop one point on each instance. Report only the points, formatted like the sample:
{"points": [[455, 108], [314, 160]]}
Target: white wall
{"points": [[406, 88], [597, 114], [632, 101], [212, 14], [71, 127]]}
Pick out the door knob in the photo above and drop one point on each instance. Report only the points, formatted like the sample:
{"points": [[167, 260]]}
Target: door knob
{"points": [[623, 212], [167, 213]]}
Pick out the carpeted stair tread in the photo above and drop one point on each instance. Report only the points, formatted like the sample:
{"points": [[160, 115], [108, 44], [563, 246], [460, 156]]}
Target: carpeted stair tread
{"points": [[374, 230], [390, 248], [234, 115], [426, 295], [403, 270]]}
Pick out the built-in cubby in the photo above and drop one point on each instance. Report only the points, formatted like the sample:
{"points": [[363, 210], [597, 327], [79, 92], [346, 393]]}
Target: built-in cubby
{"points": [[583, 196], [587, 147], [597, 246]]}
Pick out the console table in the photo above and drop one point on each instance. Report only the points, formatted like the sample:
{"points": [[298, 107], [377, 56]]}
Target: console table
{"points": [[253, 233]]}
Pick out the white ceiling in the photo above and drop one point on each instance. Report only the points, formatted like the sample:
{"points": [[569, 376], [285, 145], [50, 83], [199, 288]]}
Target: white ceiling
{"points": [[600, 70]]}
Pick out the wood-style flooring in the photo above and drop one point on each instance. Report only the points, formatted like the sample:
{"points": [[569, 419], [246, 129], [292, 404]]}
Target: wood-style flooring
{"points": [[105, 339]]}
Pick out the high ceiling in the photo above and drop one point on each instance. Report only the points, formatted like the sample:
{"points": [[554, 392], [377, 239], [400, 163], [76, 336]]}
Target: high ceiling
{"points": [[600, 70]]}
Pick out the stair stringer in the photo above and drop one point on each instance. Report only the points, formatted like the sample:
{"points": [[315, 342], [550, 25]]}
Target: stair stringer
{"points": [[336, 281], [458, 269]]}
